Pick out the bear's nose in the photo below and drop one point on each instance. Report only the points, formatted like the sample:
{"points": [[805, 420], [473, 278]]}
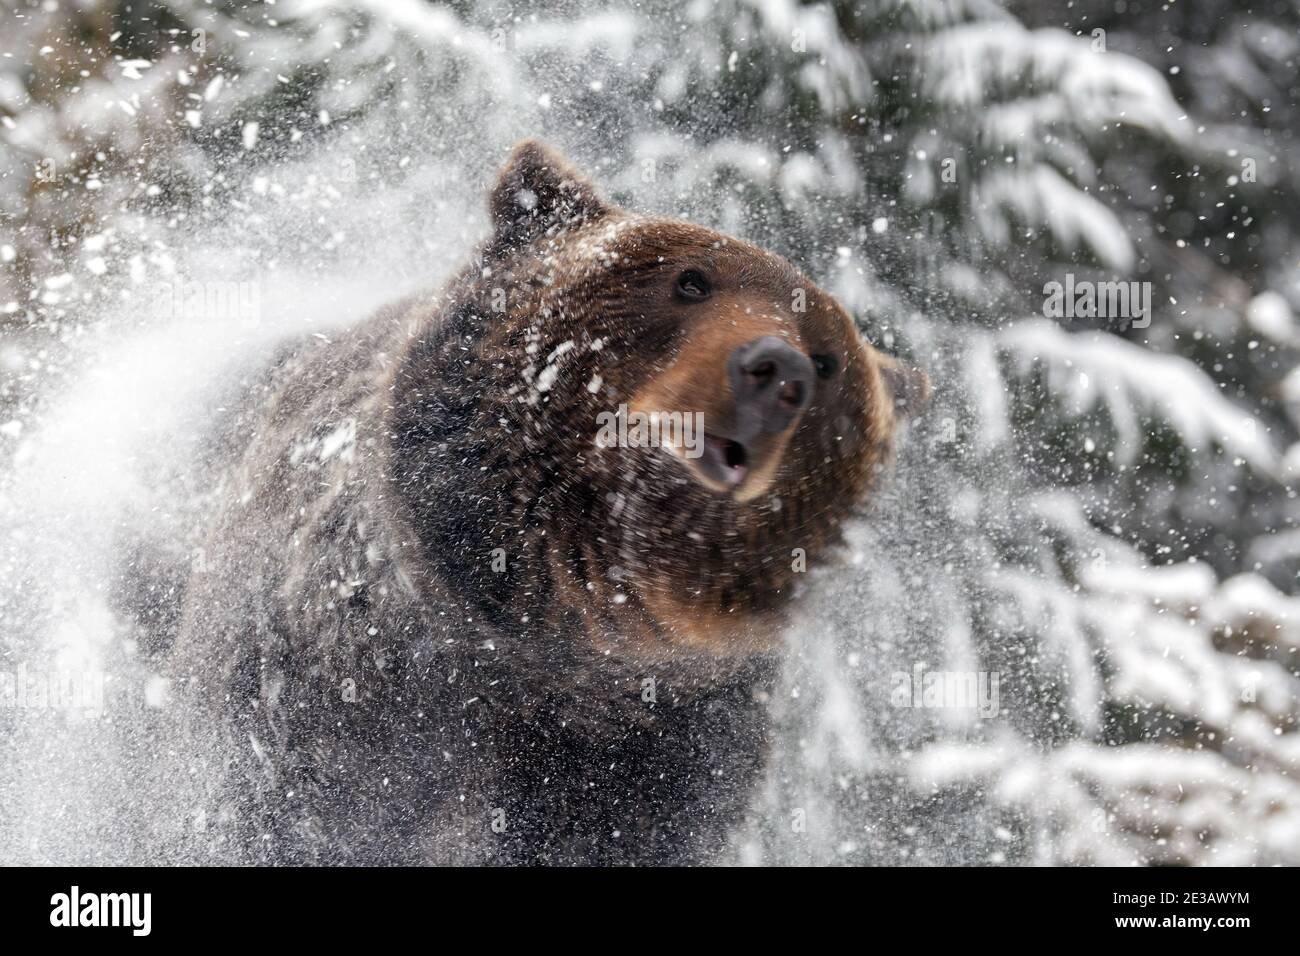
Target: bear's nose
{"points": [[772, 383]]}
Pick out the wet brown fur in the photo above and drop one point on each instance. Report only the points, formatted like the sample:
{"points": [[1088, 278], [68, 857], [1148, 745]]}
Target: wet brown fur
{"points": [[578, 638]]}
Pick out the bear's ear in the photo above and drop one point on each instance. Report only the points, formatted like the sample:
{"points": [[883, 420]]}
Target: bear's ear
{"points": [[536, 191], [909, 387]]}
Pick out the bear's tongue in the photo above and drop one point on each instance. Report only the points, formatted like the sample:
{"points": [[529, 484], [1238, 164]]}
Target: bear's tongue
{"points": [[725, 460]]}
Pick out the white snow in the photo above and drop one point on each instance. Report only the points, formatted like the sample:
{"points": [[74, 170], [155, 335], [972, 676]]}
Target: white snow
{"points": [[1095, 370]]}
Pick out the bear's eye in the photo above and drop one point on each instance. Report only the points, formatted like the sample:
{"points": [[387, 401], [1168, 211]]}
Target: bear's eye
{"points": [[826, 365], [692, 286]]}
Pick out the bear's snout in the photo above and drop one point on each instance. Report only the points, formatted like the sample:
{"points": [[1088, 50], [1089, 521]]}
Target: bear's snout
{"points": [[772, 383]]}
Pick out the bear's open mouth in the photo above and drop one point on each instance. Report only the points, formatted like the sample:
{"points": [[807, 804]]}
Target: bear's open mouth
{"points": [[724, 460]]}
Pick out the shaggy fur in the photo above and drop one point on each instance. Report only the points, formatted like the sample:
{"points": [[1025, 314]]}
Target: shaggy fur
{"points": [[436, 622]]}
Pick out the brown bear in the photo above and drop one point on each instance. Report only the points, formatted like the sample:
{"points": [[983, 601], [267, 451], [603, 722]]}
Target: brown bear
{"points": [[443, 617]]}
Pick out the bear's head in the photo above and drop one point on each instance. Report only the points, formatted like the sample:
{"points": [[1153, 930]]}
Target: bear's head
{"points": [[647, 424]]}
